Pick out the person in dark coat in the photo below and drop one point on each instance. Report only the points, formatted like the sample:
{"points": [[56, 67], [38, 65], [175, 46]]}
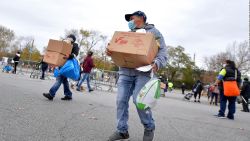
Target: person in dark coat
{"points": [[44, 69], [16, 61], [197, 89], [183, 88], [163, 82], [87, 66], [166, 88], [62, 79], [245, 93]]}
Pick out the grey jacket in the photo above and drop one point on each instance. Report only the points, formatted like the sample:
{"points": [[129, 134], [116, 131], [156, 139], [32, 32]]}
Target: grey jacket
{"points": [[160, 59]]}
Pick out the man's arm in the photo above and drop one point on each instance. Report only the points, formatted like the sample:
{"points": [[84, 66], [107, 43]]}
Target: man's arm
{"points": [[220, 77], [161, 57]]}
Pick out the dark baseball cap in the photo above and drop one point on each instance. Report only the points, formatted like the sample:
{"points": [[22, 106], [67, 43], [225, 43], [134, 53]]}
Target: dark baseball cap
{"points": [[137, 13], [72, 36]]}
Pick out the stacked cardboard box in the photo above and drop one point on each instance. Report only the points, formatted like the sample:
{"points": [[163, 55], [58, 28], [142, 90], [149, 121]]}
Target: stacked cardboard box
{"points": [[163, 85], [56, 51], [132, 50]]}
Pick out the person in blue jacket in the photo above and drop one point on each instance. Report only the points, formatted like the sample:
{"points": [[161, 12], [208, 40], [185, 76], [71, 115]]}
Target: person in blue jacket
{"points": [[62, 79], [131, 81]]}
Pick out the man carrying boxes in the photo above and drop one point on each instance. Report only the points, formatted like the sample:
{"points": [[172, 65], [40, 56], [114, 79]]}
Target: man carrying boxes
{"points": [[130, 50], [58, 52]]}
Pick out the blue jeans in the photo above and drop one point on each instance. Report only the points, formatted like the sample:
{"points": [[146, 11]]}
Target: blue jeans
{"points": [[130, 86], [87, 77], [214, 95], [223, 104], [61, 80]]}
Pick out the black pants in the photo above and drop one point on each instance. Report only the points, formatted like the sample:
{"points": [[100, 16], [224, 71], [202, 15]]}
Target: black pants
{"points": [[245, 105], [15, 66], [197, 93], [43, 74], [183, 91], [214, 95], [44, 69]]}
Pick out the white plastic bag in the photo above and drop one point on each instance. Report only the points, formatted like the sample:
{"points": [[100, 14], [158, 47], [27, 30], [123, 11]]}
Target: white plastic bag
{"points": [[149, 94]]}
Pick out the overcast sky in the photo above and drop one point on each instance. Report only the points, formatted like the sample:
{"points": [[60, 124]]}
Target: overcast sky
{"points": [[204, 27]]}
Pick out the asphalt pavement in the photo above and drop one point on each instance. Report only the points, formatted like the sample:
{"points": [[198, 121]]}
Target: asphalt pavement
{"points": [[25, 115]]}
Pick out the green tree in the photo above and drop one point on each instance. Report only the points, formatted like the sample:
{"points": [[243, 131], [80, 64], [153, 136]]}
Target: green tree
{"points": [[87, 39], [30, 52], [180, 67], [94, 41], [188, 78], [177, 60]]}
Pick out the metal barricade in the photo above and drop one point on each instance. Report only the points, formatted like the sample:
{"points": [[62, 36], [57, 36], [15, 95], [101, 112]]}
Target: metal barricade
{"points": [[32, 69], [104, 78], [2, 64], [25, 67]]}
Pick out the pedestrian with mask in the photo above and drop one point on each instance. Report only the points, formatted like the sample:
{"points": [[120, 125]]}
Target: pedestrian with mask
{"points": [[229, 73], [245, 94], [62, 79], [131, 81], [16, 61], [87, 66]]}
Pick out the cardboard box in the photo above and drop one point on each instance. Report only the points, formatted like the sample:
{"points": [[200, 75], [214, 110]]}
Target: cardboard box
{"points": [[163, 85], [59, 46], [133, 50], [54, 58], [55, 52]]}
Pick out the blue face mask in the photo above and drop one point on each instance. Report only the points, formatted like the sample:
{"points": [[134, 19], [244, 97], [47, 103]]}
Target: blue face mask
{"points": [[131, 25]]}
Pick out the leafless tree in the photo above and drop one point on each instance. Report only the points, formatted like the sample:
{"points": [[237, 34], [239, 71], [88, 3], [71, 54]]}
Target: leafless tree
{"points": [[88, 39], [6, 37], [238, 52]]}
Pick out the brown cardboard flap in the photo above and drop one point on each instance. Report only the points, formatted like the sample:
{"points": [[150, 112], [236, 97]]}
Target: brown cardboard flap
{"points": [[54, 58], [59, 46], [132, 50]]}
